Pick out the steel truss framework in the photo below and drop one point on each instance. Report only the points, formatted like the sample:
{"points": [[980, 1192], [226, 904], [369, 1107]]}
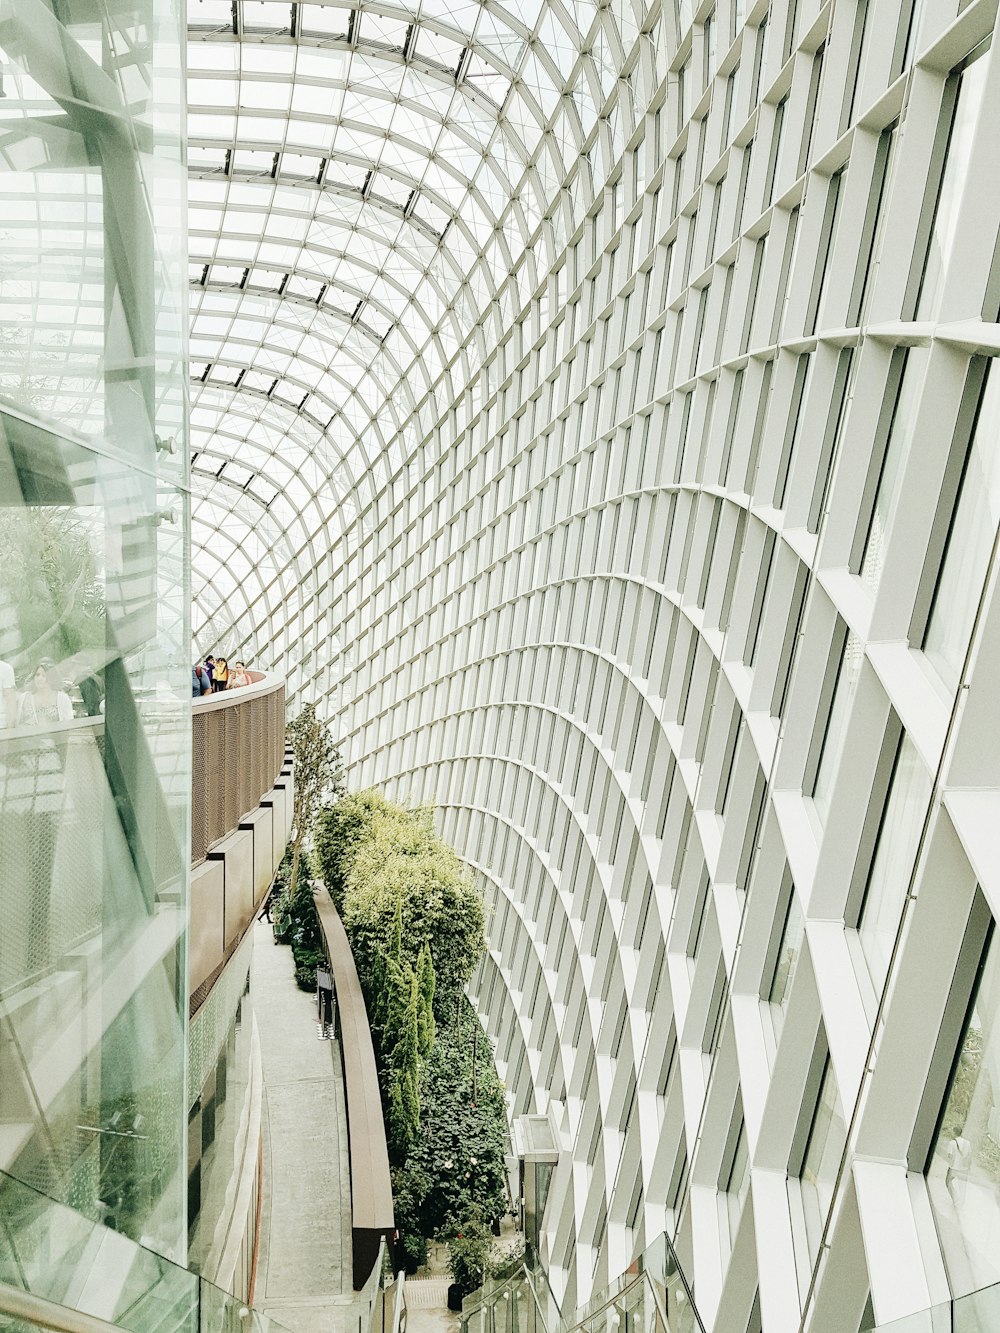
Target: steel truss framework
{"points": [[603, 426]]}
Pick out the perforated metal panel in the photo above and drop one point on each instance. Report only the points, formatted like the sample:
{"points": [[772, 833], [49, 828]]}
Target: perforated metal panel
{"points": [[238, 747]]}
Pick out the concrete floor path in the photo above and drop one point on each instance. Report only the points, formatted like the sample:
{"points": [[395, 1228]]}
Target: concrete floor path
{"points": [[427, 1296], [304, 1263]]}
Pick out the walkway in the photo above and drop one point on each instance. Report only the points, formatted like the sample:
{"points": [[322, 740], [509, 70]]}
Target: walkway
{"points": [[304, 1265], [427, 1296]]}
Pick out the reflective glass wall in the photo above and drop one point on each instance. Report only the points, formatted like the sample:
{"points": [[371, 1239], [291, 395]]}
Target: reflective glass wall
{"points": [[94, 595]]}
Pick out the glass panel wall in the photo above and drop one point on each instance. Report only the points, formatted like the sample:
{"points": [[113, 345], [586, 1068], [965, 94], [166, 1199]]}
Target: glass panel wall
{"points": [[968, 100], [970, 542], [94, 621], [889, 879], [963, 1177], [822, 1158], [890, 480]]}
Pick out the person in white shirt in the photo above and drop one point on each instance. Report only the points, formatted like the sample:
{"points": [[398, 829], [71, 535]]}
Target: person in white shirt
{"points": [[8, 697], [45, 704]]}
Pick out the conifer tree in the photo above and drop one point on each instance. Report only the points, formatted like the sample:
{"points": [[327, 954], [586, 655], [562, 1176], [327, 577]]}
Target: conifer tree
{"points": [[425, 976], [317, 773], [404, 1058]]}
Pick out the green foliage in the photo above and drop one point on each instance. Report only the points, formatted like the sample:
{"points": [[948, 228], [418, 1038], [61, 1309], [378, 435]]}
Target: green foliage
{"points": [[413, 1249], [400, 860], [426, 982], [340, 830], [306, 963], [51, 589], [406, 1024], [294, 919], [317, 774], [469, 1253], [293, 909], [401, 1057], [415, 922], [455, 1166], [280, 918], [474, 1256]]}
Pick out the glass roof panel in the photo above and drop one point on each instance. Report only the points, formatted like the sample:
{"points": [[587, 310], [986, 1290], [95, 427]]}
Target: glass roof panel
{"points": [[363, 183]]}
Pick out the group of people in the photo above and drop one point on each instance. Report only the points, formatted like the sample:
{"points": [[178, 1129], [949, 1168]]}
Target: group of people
{"points": [[214, 674]]}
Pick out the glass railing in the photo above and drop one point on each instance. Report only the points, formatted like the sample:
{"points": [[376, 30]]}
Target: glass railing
{"points": [[53, 1252], [978, 1312], [22, 1312], [372, 1305], [520, 1302], [652, 1296]]}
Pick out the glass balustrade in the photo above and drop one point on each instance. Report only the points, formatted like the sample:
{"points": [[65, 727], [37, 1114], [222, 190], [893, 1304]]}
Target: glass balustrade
{"points": [[50, 1250], [977, 1312], [652, 1296]]}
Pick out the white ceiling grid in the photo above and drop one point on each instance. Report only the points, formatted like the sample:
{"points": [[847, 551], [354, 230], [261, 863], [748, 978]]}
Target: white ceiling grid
{"points": [[363, 181]]}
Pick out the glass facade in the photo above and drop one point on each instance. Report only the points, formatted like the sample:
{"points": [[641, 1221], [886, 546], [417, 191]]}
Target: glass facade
{"points": [[95, 770], [971, 535], [640, 546], [963, 1176], [52, 1251], [593, 409]]}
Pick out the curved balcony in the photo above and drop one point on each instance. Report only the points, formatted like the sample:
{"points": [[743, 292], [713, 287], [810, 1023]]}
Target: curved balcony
{"points": [[241, 814]]}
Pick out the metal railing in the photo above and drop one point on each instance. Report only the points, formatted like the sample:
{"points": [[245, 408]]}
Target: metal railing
{"points": [[238, 748], [36, 1312], [652, 1296]]}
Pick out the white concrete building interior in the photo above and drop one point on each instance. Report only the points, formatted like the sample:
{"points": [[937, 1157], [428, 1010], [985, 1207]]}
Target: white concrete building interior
{"points": [[593, 409]]}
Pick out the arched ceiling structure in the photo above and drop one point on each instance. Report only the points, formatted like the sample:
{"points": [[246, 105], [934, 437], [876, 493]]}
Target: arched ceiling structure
{"points": [[363, 182]]}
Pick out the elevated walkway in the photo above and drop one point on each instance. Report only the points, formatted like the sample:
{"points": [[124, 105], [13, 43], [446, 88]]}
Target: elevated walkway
{"points": [[304, 1272]]}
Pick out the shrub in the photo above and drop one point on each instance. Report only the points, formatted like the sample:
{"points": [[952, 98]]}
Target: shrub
{"points": [[469, 1254], [377, 858], [339, 831], [455, 1165], [412, 1250], [293, 916], [414, 918]]}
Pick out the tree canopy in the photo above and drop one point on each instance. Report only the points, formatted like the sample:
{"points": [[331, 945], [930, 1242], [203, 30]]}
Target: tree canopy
{"points": [[415, 921], [317, 776], [376, 858], [455, 1166]]}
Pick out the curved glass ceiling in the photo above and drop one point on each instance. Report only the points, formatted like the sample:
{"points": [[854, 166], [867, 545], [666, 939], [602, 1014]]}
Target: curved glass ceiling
{"points": [[363, 182]]}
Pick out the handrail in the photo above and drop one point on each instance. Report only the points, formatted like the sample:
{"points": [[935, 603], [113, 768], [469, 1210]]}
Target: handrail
{"points": [[656, 1271], [266, 683], [399, 1304], [123, 1278], [371, 1187], [659, 1268], [47, 1315]]}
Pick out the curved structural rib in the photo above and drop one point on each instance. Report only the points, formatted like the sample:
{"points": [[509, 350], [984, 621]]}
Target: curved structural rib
{"points": [[682, 609]]}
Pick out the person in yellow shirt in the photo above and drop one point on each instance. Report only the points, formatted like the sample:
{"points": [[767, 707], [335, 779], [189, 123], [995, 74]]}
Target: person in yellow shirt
{"points": [[220, 676]]}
